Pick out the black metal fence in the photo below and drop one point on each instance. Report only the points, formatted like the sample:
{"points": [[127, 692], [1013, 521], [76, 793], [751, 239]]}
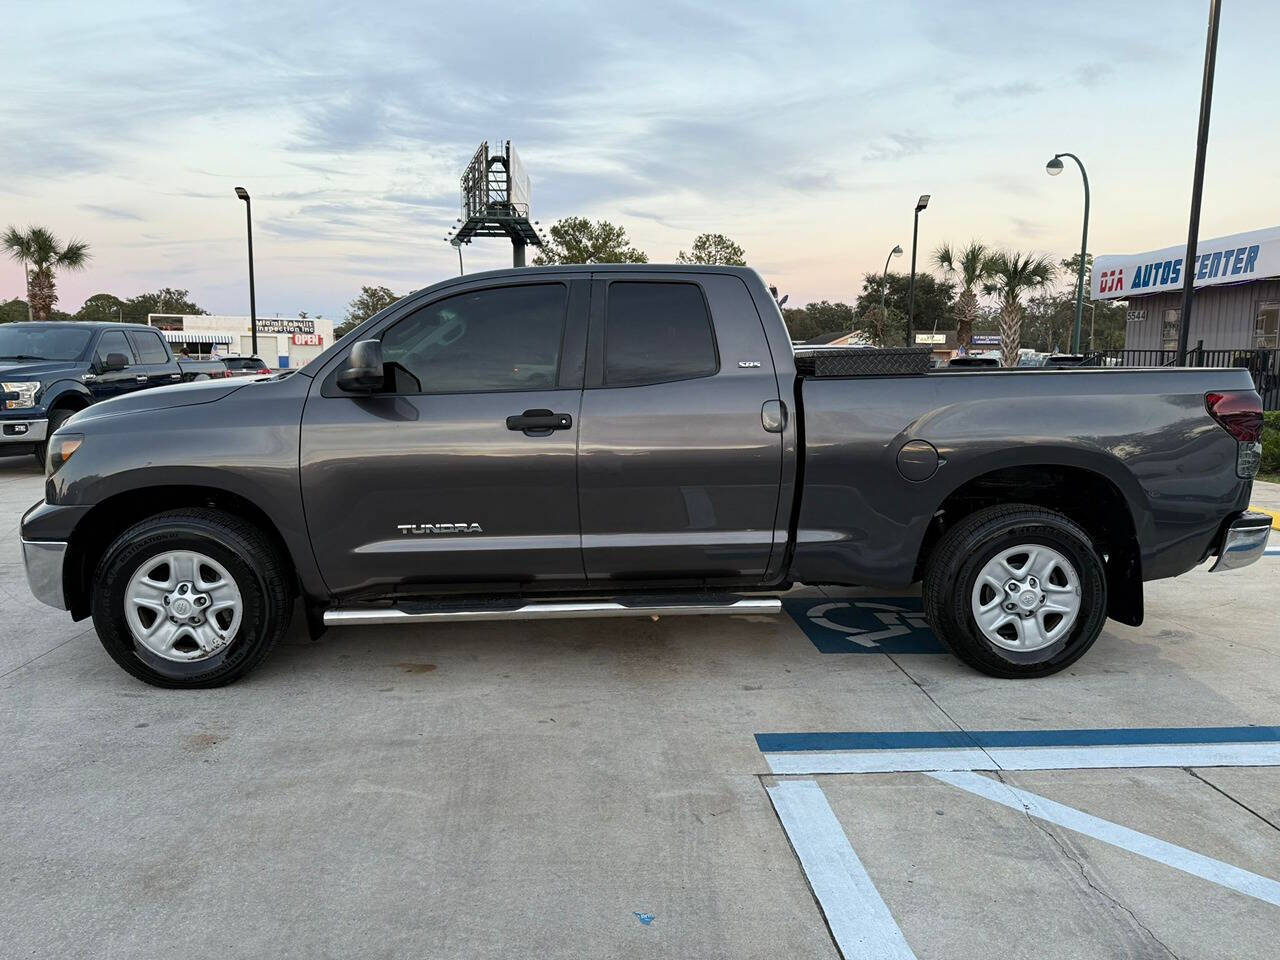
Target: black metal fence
{"points": [[1263, 365]]}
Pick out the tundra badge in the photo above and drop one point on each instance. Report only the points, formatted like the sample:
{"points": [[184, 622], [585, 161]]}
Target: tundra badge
{"points": [[417, 529]]}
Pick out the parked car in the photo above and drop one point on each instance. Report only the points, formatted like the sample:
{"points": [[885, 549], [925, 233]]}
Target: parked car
{"points": [[246, 366], [52, 370], [632, 441]]}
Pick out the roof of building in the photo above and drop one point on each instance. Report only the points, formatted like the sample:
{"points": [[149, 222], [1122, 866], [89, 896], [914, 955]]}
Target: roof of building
{"points": [[1236, 258]]}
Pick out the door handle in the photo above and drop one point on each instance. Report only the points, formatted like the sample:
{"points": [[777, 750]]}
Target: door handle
{"points": [[539, 423], [141, 379]]}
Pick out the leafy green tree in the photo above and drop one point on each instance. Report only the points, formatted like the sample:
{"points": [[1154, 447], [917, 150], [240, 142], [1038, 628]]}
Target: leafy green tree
{"points": [[13, 311], [369, 302], [164, 300], [815, 319], [1013, 275], [714, 248], [42, 256], [934, 302], [973, 267], [578, 240], [102, 307]]}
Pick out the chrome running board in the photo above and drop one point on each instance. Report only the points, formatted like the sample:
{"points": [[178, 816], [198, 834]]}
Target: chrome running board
{"points": [[550, 610]]}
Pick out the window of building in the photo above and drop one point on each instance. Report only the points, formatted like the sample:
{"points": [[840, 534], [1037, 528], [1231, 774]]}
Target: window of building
{"points": [[657, 332], [113, 341], [1169, 328], [1266, 330], [504, 338], [149, 347]]}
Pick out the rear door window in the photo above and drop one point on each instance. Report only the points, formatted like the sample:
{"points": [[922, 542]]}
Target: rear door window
{"points": [[148, 346], [656, 333]]}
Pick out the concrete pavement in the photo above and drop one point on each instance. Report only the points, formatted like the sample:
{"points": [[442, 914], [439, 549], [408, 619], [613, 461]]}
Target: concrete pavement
{"points": [[594, 789]]}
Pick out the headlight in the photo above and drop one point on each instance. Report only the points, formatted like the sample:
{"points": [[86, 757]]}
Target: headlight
{"points": [[61, 448], [20, 394]]}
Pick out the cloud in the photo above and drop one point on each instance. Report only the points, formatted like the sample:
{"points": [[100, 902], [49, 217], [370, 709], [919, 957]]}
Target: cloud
{"points": [[1029, 228], [1093, 75], [1013, 90], [895, 146], [111, 213]]}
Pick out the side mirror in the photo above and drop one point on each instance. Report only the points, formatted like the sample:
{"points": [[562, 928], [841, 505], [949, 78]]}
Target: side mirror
{"points": [[115, 361], [364, 372]]}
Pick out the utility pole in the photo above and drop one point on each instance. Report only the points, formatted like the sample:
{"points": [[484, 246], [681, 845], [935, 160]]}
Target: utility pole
{"points": [[1197, 186], [911, 295], [243, 194]]}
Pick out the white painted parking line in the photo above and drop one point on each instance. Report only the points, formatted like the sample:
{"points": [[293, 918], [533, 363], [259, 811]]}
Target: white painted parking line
{"points": [[859, 919], [1180, 858]]}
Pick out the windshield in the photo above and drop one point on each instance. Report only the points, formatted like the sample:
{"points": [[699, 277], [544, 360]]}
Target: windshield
{"points": [[51, 342]]}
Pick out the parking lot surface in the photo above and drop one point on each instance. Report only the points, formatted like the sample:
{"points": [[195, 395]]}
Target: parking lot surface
{"points": [[597, 789]]}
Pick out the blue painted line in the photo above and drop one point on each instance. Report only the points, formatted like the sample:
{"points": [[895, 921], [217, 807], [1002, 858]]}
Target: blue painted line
{"points": [[935, 739]]}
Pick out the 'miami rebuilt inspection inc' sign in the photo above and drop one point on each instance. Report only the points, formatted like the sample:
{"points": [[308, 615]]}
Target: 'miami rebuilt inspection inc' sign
{"points": [[1233, 259]]}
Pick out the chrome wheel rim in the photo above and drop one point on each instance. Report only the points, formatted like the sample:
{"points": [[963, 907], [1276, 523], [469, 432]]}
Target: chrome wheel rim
{"points": [[1026, 597], [183, 606]]}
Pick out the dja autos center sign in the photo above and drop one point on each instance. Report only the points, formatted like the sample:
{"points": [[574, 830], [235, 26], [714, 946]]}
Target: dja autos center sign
{"points": [[1244, 256]]}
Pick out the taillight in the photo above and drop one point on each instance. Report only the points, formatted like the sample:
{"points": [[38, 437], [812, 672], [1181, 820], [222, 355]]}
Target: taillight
{"points": [[1239, 412], [264, 370]]}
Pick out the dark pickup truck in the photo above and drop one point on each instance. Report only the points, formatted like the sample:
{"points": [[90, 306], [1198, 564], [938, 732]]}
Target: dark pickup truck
{"points": [[48, 371], [631, 440]]}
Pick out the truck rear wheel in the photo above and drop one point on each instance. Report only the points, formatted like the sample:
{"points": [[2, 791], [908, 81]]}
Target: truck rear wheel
{"points": [[190, 598], [1016, 591]]}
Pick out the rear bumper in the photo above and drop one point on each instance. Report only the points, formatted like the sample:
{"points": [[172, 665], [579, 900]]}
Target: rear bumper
{"points": [[43, 560], [24, 431], [1243, 541]]}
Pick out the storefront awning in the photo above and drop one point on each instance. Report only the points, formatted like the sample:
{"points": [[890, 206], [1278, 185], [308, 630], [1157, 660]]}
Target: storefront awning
{"points": [[181, 336]]}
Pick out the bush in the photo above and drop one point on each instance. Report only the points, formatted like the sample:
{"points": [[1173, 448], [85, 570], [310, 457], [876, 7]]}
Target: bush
{"points": [[1271, 442]]}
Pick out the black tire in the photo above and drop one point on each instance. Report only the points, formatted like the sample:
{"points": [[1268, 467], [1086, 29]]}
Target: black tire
{"points": [[961, 554], [260, 573], [56, 419]]}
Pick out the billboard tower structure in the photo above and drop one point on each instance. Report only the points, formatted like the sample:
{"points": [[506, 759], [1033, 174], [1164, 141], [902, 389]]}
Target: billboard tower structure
{"points": [[495, 201]]}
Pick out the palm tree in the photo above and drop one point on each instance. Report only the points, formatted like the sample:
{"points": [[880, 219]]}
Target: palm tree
{"points": [[41, 256], [1012, 275], [974, 265]]}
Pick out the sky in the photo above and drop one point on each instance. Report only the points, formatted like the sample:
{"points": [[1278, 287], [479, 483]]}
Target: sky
{"points": [[804, 131]]}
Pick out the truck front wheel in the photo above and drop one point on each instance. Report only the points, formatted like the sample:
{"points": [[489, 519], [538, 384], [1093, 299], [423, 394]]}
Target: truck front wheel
{"points": [[1016, 591], [190, 598]]}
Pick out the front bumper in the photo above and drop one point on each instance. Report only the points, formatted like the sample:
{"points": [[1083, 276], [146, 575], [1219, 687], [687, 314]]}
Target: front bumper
{"points": [[1243, 542], [43, 560], [24, 431]]}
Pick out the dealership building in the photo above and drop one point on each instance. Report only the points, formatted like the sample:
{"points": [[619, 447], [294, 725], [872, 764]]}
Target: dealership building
{"points": [[1237, 293], [283, 342]]}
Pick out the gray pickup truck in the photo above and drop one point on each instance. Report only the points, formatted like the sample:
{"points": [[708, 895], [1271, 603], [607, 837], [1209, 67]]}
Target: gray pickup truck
{"points": [[631, 440]]}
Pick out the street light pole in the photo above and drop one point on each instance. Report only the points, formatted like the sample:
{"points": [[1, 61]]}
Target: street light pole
{"points": [[884, 283], [911, 295], [1197, 187], [1054, 167], [243, 194]]}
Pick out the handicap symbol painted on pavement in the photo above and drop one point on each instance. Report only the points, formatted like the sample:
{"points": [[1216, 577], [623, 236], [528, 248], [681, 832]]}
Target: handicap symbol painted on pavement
{"points": [[865, 625]]}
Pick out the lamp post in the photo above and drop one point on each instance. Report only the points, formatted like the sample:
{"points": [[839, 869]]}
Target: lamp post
{"points": [[884, 283], [1053, 168], [911, 296], [1197, 184], [243, 194]]}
